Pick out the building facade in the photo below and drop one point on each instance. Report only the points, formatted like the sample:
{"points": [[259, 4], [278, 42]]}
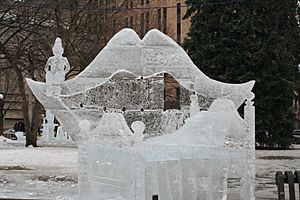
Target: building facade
{"points": [[142, 15]]}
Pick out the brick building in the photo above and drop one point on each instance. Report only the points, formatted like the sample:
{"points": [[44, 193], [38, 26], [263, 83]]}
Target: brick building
{"points": [[142, 15]]}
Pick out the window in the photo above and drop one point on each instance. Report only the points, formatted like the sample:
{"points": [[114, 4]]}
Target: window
{"points": [[131, 3], [114, 26], [126, 22], [105, 14], [142, 24], [147, 1], [131, 21], [147, 21], [179, 23], [142, 2], [159, 19], [165, 19]]}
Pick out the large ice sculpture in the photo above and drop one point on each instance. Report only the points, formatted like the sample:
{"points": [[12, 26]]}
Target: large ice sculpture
{"points": [[186, 137]]}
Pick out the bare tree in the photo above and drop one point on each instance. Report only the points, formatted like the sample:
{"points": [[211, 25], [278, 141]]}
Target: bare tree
{"points": [[20, 28], [8, 87], [27, 32]]}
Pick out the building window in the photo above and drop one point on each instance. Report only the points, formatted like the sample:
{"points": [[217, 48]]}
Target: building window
{"points": [[131, 3], [114, 26], [179, 23], [147, 21], [159, 19], [126, 3], [105, 14], [142, 2], [147, 1], [131, 22], [142, 24], [126, 22], [165, 20]]}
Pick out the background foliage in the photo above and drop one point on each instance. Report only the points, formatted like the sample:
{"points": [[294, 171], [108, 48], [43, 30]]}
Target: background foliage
{"points": [[251, 40]]}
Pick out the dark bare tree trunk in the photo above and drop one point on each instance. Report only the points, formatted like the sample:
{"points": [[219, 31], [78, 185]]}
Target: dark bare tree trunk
{"points": [[1, 115], [35, 121], [30, 138]]}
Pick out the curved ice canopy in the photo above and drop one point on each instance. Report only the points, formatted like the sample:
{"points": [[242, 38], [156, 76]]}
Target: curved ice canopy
{"points": [[156, 53], [185, 137]]}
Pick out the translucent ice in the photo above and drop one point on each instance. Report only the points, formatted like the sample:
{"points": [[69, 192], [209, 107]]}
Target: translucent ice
{"points": [[186, 136]]}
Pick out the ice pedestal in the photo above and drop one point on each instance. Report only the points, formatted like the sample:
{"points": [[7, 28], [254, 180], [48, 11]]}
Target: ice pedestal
{"points": [[115, 175], [202, 178], [112, 160], [129, 174]]}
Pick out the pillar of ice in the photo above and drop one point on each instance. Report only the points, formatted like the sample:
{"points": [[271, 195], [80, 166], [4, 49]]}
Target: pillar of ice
{"points": [[248, 181], [48, 127], [194, 108]]}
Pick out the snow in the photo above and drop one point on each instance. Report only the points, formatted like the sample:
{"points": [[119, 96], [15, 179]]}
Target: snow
{"points": [[52, 172], [38, 173], [6, 143]]}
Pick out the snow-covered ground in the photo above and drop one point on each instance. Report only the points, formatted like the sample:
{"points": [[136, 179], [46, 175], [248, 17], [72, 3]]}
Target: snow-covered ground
{"points": [[37, 173], [50, 172], [267, 163]]}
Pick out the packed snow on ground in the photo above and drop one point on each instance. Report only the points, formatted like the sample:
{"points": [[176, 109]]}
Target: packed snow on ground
{"points": [[37, 173], [51, 172]]}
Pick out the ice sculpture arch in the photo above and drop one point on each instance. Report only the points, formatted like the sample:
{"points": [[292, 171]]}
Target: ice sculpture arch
{"points": [[137, 73]]}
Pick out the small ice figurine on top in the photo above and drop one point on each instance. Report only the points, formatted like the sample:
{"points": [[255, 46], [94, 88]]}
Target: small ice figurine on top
{"points": [[57, 66]]}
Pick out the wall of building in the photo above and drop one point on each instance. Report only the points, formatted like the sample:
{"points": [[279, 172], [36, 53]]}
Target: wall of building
{"points": [[143, 15]]}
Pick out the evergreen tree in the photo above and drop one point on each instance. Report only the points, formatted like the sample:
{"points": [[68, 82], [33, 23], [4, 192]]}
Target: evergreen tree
{"points": [[251, 40]]}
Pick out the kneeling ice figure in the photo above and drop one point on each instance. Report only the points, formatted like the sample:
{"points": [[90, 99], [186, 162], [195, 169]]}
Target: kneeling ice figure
{"points": [[206, 128]]}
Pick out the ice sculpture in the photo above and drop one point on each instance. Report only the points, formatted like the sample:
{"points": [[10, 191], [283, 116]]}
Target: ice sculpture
{"points": [[48, 127], [186, 137], [56, 68]]}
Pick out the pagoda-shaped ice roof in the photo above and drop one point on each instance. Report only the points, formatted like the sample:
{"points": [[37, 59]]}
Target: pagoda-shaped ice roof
{"points": [[155, 53]]}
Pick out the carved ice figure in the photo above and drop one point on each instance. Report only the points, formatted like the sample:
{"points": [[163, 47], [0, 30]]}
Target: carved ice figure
{"points": [[194, 108], [206, 128], [48, 127], [115, 169], [57, 66], [198, 145], [131, 62]]}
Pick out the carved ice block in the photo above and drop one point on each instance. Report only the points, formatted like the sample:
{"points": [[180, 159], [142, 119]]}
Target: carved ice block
{"points": [[174, 156]]}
